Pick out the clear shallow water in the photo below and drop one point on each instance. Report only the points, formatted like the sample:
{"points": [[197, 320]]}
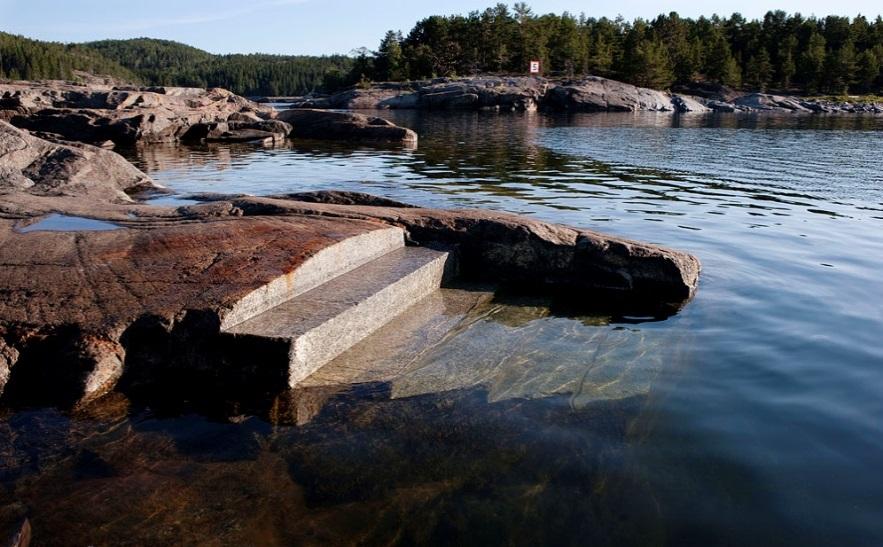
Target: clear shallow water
{"points": [[755, 415]]}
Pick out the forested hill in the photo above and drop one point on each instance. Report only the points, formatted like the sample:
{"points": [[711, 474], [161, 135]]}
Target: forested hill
{"points": [[162, 62], [23, 58], [779, 52], [787, 52]]}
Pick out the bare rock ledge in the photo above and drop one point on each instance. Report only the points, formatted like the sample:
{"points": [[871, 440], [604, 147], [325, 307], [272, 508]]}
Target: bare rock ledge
{"points": [[146, 298], [99, 114]]}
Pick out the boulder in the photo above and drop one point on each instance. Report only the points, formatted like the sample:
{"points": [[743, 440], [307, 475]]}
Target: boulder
{"points": [[721, 106], [238, 131], [763, 101], [35, 166], [685, 104], [324, 124]]}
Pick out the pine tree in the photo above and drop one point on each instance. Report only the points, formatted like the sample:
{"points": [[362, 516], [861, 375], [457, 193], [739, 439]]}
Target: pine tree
{"points": [[868, 70], [812, 63], [759, 70], [388, 59], [720, 65]]}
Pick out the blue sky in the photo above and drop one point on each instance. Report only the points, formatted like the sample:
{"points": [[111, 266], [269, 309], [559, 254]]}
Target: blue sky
{"points": [[322, 26]]}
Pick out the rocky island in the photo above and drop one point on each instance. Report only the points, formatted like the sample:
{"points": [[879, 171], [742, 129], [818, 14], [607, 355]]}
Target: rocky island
{"points": [[587, 94], [251, 292]]}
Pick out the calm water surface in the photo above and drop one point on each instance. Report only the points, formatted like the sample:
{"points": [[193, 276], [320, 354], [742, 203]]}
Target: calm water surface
{"points": [[754, 416]]}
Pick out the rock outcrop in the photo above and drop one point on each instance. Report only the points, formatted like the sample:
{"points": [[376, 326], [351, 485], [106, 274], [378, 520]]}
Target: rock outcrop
{"points": [[38, 167], [589, 94], [123, 115], [323, 124], [85, 312], [486, 92], [595, 94], [592, 94]]}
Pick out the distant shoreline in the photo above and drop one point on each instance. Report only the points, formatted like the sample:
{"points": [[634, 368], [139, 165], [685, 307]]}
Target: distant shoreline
{"points": [[587, 94]]}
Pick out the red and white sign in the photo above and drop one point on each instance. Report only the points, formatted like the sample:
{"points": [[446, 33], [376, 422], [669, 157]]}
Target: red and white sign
{"points": [[534, 67]]}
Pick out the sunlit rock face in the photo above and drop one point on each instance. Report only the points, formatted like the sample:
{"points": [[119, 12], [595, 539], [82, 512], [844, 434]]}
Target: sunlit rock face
{"points": [[35, 166], [123, 115]]}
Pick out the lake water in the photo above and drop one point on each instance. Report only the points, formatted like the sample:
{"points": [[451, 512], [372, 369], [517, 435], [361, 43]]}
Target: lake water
{"points": [[753, 416]]}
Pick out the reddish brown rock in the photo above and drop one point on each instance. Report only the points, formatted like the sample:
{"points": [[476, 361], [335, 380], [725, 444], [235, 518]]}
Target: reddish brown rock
{"points": [[519, 250], [84, 310]]}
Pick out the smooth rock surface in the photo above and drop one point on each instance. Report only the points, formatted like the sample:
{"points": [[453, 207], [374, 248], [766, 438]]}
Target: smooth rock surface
{"points": [[39, 167], [320, 324], [596, 94], [83, 312], [519, 250]]}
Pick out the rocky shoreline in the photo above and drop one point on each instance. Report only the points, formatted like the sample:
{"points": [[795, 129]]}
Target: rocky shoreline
{"points": [[107, 116], [132, 297], [590, 94]]}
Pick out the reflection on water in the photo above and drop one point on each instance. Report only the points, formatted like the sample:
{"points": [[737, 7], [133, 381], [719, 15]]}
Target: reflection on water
{"points": [[753, 416]]}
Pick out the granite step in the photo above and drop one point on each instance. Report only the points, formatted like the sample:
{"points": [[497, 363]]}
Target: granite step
{"points": [[320, 324], [327, 264]]}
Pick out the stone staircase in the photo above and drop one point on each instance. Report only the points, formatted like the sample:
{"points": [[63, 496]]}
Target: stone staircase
{"points": [[337, 298]]}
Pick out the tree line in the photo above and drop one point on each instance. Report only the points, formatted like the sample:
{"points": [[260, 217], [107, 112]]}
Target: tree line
{"points": [[781, 51], [25, 59], [161, 62]]}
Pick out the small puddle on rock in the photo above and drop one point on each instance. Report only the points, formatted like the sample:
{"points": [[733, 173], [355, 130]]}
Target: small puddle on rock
{"points": [[65, 223], [172, 201]]}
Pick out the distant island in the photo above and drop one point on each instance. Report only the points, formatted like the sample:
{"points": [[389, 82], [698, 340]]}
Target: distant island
{"points": [[784, 53]]}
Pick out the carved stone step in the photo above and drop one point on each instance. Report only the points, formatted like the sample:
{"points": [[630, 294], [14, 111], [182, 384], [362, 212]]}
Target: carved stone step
{"points": [[320, 324]]}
